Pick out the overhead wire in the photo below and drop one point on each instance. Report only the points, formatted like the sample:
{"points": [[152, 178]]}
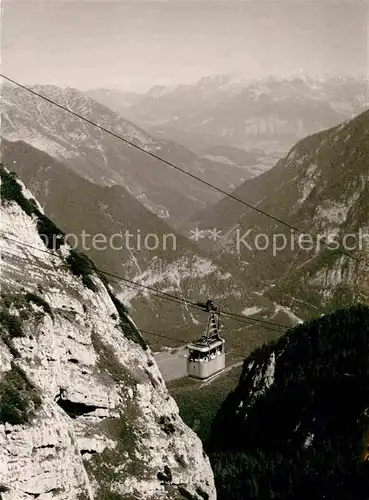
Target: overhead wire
{"points": [[159, 294], [172, 165], [140, 330]]}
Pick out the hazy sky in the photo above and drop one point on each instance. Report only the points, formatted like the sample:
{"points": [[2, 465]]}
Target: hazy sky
{"points": [[135, 45]]}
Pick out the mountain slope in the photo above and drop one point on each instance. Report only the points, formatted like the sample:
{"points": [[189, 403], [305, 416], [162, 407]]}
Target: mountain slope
{"points": [[84, 412], [78, 204], [175, 266], [103, 159], [297, 425], [322, 188]]}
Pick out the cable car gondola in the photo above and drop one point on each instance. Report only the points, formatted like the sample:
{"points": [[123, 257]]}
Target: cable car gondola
{"points": [[206, 356]]}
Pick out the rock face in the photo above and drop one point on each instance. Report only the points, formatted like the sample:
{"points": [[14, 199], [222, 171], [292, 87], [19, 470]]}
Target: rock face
{"points": [[84, 411]]}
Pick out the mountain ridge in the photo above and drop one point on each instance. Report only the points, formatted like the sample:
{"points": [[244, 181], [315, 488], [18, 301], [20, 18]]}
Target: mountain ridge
{"points": [[101, 158], [305, 189]]}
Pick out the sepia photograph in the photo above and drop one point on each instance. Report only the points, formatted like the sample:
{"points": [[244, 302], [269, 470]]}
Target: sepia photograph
{"points": [[184, 250]]}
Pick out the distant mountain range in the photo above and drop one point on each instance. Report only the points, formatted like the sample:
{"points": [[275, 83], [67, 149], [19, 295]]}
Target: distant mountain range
{"points": [[271, 113], [105, 160], [161, 102]]}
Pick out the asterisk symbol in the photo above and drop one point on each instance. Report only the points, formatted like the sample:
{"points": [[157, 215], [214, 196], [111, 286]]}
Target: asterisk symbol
{"points": [[215, 234], [196, 235]]}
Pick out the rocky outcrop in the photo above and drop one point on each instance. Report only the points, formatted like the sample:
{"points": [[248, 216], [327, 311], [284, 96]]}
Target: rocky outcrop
{"points": [[84, 411]]}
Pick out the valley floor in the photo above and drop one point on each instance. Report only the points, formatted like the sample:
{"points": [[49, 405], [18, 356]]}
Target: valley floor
{"points": [[172, 364]]}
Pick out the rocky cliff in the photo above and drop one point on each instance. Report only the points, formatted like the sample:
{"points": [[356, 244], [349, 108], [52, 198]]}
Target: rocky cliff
{"points": [[84, 411]]}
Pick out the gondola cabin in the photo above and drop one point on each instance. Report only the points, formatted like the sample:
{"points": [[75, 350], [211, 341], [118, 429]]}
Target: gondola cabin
{"points": [[206, 356], [204, 360]]}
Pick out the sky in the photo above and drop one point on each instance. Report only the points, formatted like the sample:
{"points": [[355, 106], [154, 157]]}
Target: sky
{"points": [[135, 45]]}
